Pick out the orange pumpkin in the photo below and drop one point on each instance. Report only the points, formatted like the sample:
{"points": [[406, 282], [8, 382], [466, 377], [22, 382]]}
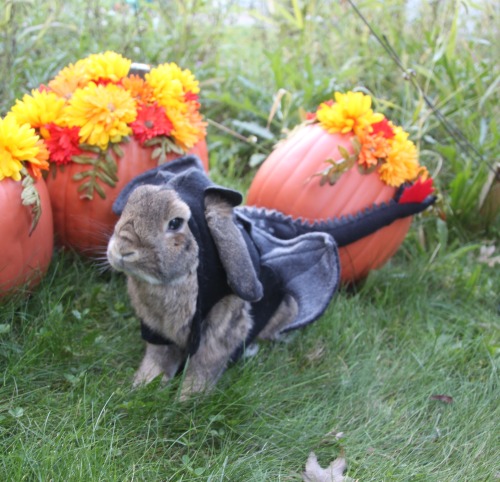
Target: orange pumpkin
{"points": [[24, 258], [287, 182], [86, 224]]}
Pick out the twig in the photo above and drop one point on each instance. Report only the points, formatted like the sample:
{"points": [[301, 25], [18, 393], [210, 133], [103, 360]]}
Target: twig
{"points": [[409, 74]]}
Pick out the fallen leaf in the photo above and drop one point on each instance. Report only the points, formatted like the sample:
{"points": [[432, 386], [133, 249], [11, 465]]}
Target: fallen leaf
{"points": [[333, 473], [442, 398]]}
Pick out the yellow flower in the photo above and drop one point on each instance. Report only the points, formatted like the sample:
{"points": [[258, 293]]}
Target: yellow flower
{"points": [[17, 143], [351, 112], [72, 77], [170, 85], [107, 66], [401, 164], [37, 109], [102, 112], [188, 128]]}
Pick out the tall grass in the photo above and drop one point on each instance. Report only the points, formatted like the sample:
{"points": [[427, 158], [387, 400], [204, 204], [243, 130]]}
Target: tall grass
{"points": [[303, 52]]}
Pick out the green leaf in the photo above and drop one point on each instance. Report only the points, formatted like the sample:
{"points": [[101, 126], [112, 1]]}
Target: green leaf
{"points": [[344, 153], [117, 150], [105, 178], [171, 146], [254, 129], [4, 328], [31, 197], [17, 412], [157, 152], [80, 176], [91, 148], [85, 160], [100, 190], [367, 170], [152, 142]]}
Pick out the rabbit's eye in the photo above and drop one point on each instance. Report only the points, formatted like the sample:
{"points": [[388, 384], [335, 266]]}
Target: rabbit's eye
{"points": [[175, 224]]}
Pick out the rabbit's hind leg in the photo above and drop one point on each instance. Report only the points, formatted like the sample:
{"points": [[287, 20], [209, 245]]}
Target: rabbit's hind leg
{"points": [[284, 315], [226, 328]]}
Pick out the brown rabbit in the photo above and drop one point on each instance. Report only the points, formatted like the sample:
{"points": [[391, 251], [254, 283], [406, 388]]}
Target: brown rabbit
{"points": [[203, 281], [154, 246]]}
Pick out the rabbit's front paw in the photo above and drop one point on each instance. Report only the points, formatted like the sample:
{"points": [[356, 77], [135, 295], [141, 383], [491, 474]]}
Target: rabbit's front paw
{"points": [[146, 374]]}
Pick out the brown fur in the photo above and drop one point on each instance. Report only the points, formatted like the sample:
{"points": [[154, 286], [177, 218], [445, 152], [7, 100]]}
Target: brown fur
{"points": [[286, 311]]}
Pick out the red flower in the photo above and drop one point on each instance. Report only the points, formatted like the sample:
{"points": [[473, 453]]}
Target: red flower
{"points": [[190, 96], [151, 121], [105, 81], [383, 127], [63, 143], [417, 192]]}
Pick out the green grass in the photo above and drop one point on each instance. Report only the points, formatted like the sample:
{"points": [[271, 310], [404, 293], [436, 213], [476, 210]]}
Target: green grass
{"points": [[426, 324], [368, 368]]}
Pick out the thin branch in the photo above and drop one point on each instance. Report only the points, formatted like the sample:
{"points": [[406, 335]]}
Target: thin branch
{"points": [[409, 74]]}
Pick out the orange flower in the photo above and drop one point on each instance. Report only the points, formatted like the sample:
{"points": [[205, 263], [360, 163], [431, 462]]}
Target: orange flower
{"points": [[188, 129], [40, 161], [138, 88], [373, 149], [69, 79]]}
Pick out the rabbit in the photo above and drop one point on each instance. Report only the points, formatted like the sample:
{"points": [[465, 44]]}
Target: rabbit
{"points": [[204, 282], [154, 246]]}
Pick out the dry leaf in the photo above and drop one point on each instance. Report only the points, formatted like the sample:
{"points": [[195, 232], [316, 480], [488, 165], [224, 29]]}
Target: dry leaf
{"points": [[333, 473]]}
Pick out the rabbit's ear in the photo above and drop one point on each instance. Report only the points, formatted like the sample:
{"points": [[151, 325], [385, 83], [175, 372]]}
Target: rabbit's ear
{"points": [[239, 259], [156, 177]]}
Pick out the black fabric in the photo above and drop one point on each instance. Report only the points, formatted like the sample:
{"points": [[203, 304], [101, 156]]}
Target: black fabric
{"points": [[153, 337], [156, 177], [345, 230]]}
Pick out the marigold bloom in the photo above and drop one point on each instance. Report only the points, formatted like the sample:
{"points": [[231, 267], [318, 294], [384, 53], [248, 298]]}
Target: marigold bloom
{"points": [[69, 79], [188, 128], [37, 109], [151, 122], [102, 112], [18, 143], [106, 66], [350, 113], [373, 149], [138, 88], [170, 85], [40, 162], [401, 164]]}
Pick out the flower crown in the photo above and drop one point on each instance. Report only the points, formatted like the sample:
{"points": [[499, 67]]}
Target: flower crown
{"points": [[379, 145], [94, 104]]}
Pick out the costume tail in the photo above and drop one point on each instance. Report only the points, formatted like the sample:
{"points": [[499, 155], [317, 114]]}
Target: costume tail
{"points": [[346, 229]]}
